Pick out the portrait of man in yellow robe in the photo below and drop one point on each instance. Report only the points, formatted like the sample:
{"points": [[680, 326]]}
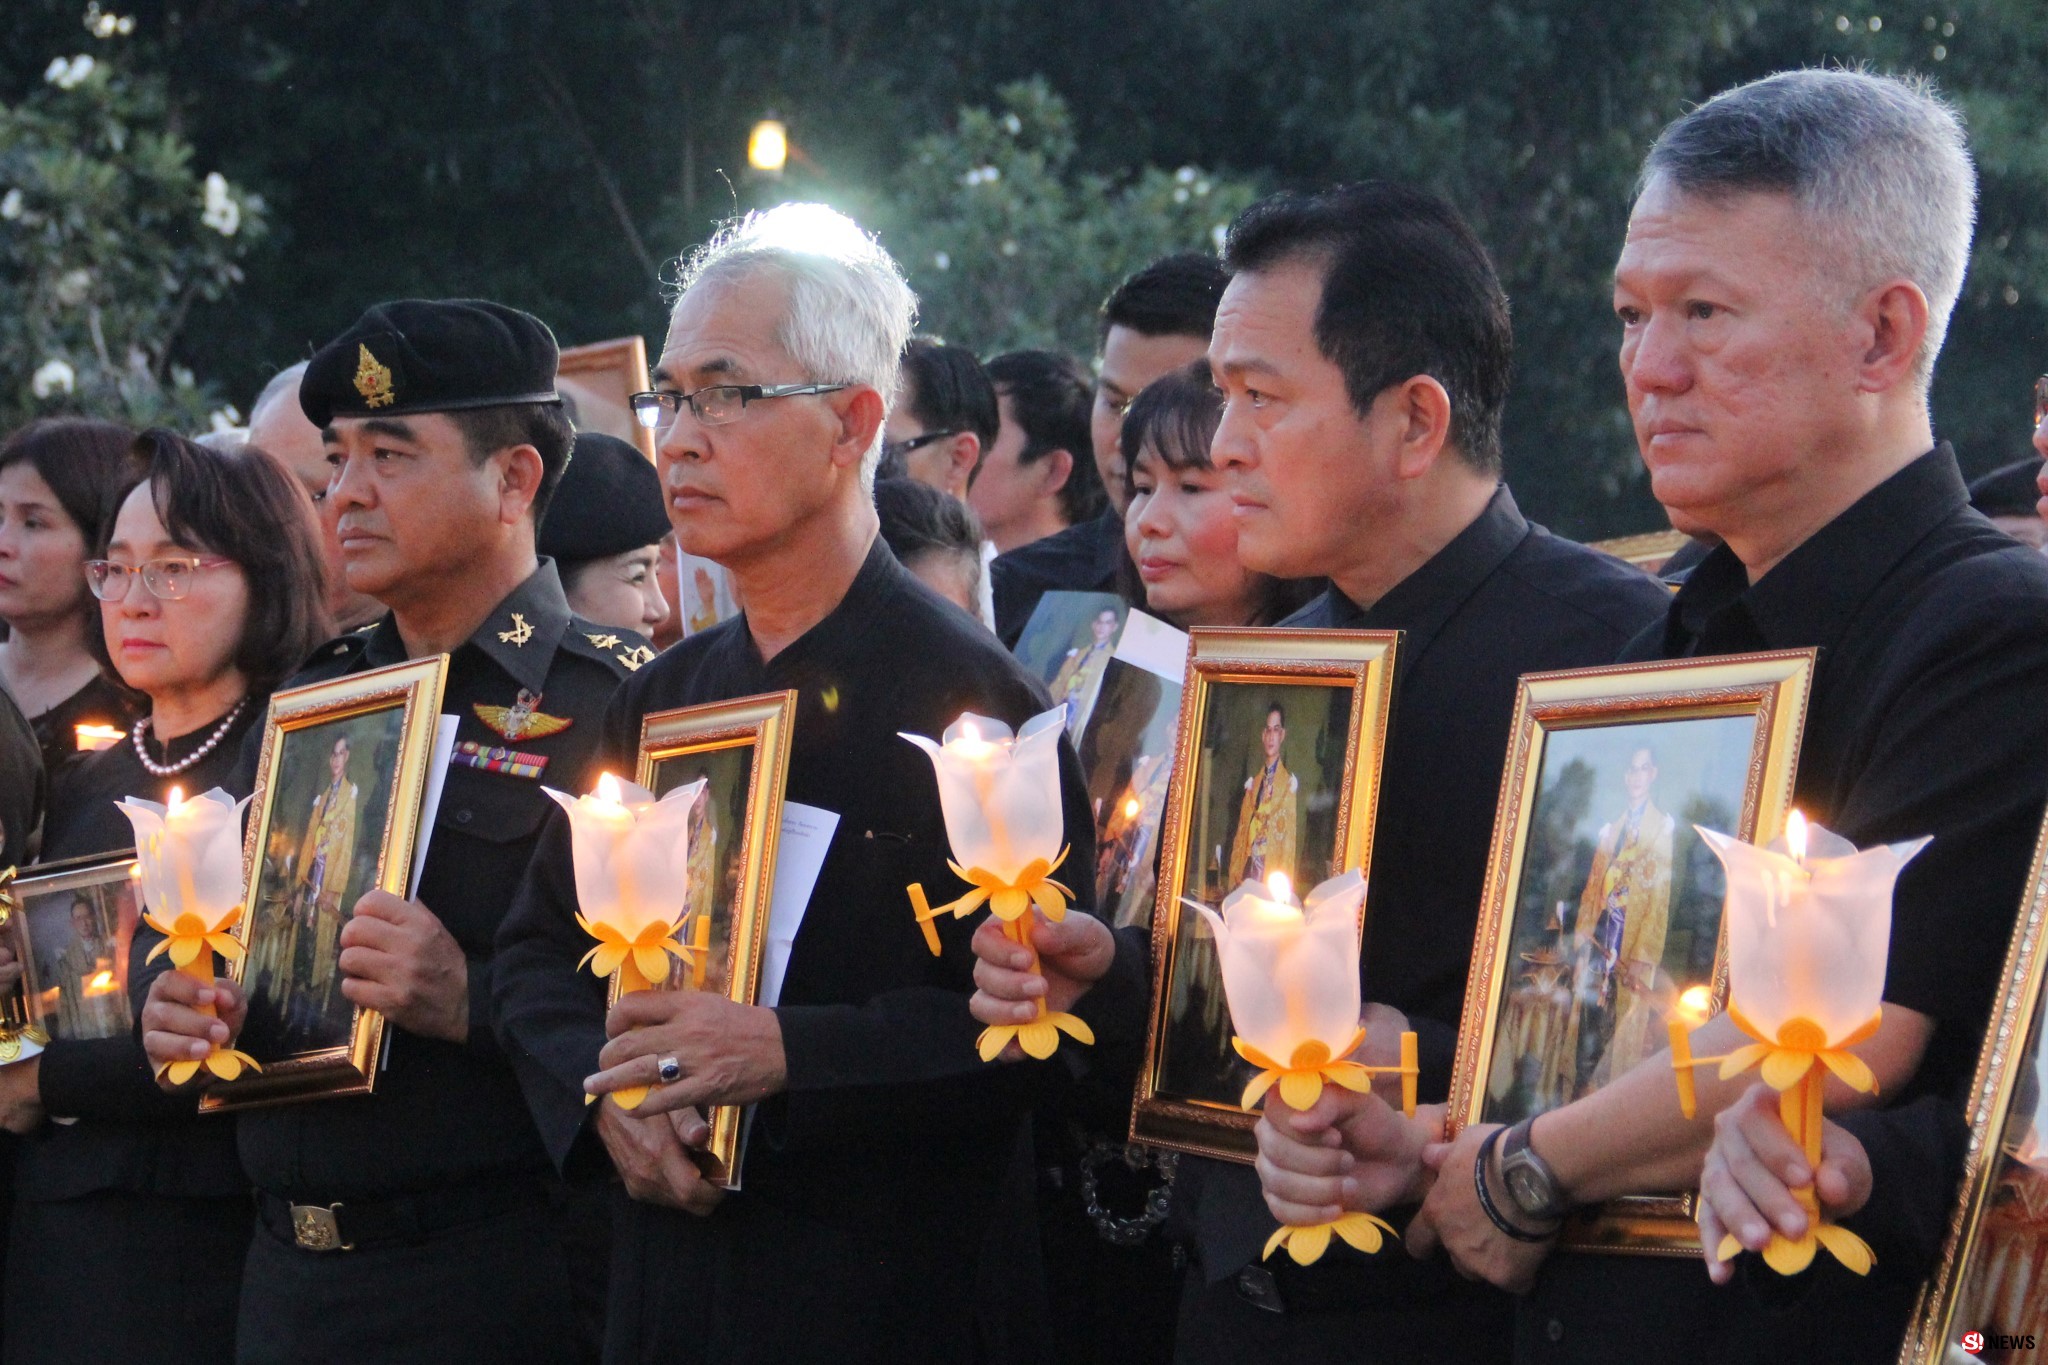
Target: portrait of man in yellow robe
{"points": [[1081, 671], [1618, 934], [324, 857], [1267, 816]]}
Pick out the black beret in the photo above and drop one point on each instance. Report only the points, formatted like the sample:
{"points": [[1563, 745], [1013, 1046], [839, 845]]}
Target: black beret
{"points": [[608, 502], [2008, 491], [427, 355]]}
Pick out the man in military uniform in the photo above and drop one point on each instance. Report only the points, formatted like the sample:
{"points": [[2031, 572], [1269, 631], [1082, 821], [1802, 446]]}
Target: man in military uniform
{"points": [[1264, 843], [422, 1222]]}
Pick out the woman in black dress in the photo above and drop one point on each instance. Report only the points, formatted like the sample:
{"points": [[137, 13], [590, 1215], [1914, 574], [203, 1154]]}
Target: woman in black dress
{"points": [[131, 1222], [60, 480]]}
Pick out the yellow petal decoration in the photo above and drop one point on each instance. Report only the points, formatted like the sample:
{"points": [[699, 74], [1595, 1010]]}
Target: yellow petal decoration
{"points": [[1302, 1077], [640, 962], [1039, 1038], [1306, 1244], [191, 943], [1007, 901]]}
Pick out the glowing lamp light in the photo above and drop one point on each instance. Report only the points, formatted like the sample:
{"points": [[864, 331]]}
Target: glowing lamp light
{"points": [[768, 146], [1131, 807], [93, 738]]}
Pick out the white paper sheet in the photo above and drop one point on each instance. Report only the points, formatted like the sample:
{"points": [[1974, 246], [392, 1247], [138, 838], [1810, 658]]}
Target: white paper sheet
{"points": [[430, 800], [799, 857], [1154, 646]]}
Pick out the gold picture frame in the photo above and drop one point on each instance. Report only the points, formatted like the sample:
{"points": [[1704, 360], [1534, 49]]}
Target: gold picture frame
{"points": [[1649, 551], [336, 813], [1593, 998], [600, 379], [1338, 685], [74, 984], [2004, 1180], [742, 748]]}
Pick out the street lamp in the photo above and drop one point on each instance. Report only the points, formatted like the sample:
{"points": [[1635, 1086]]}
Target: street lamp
{"points": [[768, 146]]}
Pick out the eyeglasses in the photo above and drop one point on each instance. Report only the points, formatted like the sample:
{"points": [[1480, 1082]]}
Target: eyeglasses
{"points": [[167, 579], [716, 405], [896, 450], [2040, 399]]}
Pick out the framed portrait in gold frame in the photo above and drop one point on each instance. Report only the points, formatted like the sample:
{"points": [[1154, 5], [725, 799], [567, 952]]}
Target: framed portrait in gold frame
{"points": [[1992, 1280], [1277, 770], [71, 930], [335, 813], [600, 380], [1601, 903], [741, 749], [1649, 551]]}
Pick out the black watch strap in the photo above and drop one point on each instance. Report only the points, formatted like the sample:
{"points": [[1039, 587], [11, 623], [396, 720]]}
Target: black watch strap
{"points": [[1486, 1195]]}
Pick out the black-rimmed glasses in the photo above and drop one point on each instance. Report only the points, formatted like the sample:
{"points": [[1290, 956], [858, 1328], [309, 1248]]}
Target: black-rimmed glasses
{"points": [[715, 404], [896, 450]]}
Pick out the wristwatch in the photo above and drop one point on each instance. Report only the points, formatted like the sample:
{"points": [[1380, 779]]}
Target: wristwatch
{"points": [[1530, 1181]]}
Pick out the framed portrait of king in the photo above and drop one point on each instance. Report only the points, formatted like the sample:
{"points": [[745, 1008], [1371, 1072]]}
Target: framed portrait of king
{"points": [[741, 750], [1276, 774], [335, 814], [1602, 905], [71, 927], [1988, 1296]]}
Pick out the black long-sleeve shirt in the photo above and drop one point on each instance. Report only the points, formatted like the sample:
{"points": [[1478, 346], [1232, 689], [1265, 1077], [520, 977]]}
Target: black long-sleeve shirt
{"points": [[870, 1181], [1926, 717]]}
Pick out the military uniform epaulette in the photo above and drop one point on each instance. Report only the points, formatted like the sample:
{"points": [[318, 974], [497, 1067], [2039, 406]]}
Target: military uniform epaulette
{"points": [[331, 660], [624, 650]]}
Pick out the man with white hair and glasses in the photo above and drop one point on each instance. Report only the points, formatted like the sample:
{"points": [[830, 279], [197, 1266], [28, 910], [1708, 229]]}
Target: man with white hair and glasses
{"points": [[1795, 251], [876, 1165]]}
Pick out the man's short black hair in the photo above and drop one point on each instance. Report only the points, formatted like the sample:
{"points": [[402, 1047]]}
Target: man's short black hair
{"points": [[1051, 398], [1175, 296], [945, 389], [544, 426], [1407, 290]]}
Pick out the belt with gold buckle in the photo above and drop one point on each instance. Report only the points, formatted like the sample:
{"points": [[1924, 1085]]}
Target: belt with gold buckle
{"points": [[315, 1228]]}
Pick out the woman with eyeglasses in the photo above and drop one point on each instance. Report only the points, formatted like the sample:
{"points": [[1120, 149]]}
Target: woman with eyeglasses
{"points": [[60, 479], [210, 594]]}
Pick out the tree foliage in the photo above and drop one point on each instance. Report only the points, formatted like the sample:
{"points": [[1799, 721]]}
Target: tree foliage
{"points": [[556, 156]]}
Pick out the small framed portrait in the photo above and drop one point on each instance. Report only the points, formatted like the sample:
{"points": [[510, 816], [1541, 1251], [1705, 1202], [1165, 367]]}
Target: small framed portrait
{"points": [[1602, 903], [1649, 551], [1126, 759], [1276, 774], [1989, 1293], [741, 749], [71, 937], [599, 381], [1068, 643], [335, 814]]}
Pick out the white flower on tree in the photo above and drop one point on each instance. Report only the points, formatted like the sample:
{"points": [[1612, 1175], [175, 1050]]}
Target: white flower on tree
{"points": [[222, 213], [65, 74], [53, 377]]}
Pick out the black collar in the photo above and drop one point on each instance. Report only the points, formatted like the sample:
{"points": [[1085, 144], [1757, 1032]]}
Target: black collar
{"points": [[1813, 594], [1422, 602], [519, 635], [843, 628]]}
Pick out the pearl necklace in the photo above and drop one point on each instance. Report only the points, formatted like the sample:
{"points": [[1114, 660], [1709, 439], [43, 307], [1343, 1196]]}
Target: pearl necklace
{"points": [[172, 769]]}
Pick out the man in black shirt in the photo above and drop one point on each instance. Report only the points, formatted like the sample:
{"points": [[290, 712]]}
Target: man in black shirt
{"points": [[1788, 274], [877, 1166], [1153, 324], [446, 1238], [1363, 349]]}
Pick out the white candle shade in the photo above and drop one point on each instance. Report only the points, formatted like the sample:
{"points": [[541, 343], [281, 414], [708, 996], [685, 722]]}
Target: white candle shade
{"points": [[1290, 971], [1000, 795], [1809, 937], [190, 856], [631, 854]]}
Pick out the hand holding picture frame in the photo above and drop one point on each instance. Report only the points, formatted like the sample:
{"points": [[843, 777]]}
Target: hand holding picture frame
{"points": [[741, 750], [1277, 770], [1602, 905], [336, 811]]}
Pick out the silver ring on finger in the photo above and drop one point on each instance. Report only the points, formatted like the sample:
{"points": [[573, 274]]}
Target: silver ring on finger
{"points": [[669, 1069]]}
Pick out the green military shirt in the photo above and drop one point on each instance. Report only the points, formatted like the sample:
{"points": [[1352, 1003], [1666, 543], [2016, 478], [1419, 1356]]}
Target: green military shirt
{"points": [[530, 688]]}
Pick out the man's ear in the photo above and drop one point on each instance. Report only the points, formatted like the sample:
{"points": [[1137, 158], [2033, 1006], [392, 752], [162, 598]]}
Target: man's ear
{"points": [[859, 410], [1892, 325], [1055, 468], [519, 475], [963, 451], [1421, 408]]}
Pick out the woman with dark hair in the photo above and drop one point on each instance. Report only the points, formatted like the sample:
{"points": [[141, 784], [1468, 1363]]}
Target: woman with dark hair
{"points": [[210, 594], [60, 480], [935, 536], [1178, 523]]}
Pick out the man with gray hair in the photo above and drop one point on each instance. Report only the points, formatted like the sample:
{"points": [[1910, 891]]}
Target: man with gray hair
{"points": [[278, 427], [879, 1144], [1795, 251]]}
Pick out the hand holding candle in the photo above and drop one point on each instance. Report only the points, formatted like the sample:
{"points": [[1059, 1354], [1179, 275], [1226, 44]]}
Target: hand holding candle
{"points": [[189, 856], [1290, 975], [1004, 819], [1809, 934], [632, 862]]}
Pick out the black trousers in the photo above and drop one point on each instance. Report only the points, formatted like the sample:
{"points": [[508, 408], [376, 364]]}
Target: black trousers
{"points": [[120, 1276], [497, 1290], [1219, 1325]]}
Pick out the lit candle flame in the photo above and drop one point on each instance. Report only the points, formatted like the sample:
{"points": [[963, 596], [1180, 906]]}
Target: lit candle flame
{"points": [[100, 984], [608, 788], [93, 738], [176, 799], [1131, 808], [1695, 1003], [1795, 837], [1282, 889]]}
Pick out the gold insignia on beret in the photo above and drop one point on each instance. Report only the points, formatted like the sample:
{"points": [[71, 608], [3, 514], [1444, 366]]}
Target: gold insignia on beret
{"points": [[373, 381], [520, 633], [604, 641]]}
